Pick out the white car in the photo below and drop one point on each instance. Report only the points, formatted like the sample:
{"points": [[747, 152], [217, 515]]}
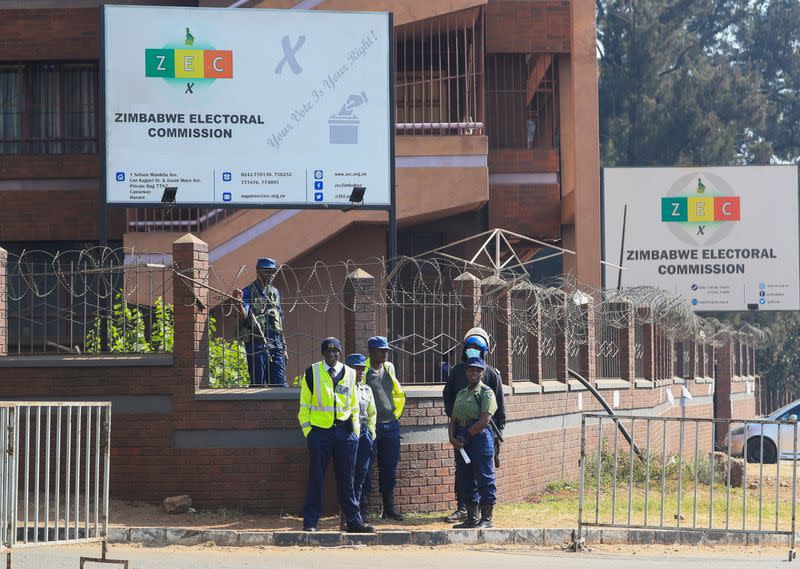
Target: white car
{"points": [[774, 444]]}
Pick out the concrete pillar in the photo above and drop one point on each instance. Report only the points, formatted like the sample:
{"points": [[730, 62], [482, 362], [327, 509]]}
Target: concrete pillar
{"points": [[190, 294], [361, 316], [3, 302]]}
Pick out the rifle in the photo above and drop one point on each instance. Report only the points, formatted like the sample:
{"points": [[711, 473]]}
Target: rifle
{"points": [[498, 439]]}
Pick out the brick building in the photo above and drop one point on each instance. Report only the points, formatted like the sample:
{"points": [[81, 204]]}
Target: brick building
{"points": [[529, 96], [529, 162]]}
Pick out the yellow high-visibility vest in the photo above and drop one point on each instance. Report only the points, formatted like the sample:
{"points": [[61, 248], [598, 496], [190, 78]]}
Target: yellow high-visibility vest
{"points": [[320, 405], [398, 395]]}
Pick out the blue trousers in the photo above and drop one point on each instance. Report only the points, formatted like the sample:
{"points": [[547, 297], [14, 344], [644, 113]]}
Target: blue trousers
{"points": [[475, 481], [340, 443], [266, 363], [361, 478], [387, 451]]}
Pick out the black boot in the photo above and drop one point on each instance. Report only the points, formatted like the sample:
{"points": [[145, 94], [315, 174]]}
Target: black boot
{"points": [[460, 514], [389, 511], [472, 517], [486, 516]]}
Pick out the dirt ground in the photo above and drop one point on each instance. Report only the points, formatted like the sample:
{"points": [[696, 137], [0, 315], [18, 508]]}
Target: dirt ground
{"points": [[143, 514]]}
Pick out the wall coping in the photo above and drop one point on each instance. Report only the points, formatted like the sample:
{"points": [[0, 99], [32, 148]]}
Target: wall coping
{"points": [[612, 384], [74, 360]]}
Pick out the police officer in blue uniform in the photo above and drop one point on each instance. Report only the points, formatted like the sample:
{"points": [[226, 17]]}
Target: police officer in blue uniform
{"points": [[476, 345], [261, 327], [330, 421], [367, 414], [470, 434]]}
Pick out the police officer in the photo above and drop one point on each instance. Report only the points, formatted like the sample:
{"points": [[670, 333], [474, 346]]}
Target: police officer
{"points": [[476, 344], [367, 415], [390, 399], [261, 326], [470, 434], [330, 422]]}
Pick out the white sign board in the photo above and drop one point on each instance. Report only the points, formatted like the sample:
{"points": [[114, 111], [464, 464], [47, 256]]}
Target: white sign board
{"points": [[726, 239], [246, 107]]}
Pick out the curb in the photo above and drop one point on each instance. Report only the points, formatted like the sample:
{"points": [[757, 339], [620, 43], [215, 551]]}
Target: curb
{"points": [[542, 537]]}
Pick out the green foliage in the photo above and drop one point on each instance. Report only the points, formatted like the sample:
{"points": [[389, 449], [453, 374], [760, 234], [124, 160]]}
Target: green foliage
{"points": [[126, 333], [227, 360], [698, 82]]}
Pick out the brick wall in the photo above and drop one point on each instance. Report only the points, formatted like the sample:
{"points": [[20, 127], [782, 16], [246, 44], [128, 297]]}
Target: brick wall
{"points": [[170, 436]]}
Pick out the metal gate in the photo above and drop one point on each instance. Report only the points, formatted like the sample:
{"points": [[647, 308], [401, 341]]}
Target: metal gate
{"points": [[688, 474], [54, 475]]}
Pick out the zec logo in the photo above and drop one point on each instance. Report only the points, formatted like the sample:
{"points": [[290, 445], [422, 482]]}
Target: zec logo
{"points": [[188, 61], [701, 209]]}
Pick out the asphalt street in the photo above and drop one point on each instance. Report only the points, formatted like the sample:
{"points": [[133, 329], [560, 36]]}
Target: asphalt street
{"points": [[396, 558]]}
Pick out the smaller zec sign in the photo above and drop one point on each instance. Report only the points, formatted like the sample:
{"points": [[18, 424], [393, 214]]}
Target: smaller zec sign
{"points": [[724, 238]]}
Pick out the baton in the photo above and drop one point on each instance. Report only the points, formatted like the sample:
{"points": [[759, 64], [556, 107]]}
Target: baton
{"points": [[464, 455]]}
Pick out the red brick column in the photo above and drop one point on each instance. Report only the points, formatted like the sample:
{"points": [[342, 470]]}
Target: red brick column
{"points": [[722, 387], [627, 341], [360, 318], [562, 348], [501, 304], [694, 361], [3, 302], [588, 356], [190, 294], [649, 348], [467, 287]]}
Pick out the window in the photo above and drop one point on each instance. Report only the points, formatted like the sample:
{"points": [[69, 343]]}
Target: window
{"points": [[48, 108]]}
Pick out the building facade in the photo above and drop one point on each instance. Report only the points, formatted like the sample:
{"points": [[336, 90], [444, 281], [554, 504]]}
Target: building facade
{"points": [[496, 112]]}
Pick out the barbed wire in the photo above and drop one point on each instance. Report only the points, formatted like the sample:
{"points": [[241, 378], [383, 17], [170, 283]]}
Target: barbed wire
{"points": [[409, 283]]}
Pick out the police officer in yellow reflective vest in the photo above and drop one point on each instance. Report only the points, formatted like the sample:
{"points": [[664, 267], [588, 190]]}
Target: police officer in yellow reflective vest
{"points": [[390, 399], [330, 422]]}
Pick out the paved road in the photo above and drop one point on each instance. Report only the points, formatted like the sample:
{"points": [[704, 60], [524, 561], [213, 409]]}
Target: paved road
{"points": [[388, 558]]}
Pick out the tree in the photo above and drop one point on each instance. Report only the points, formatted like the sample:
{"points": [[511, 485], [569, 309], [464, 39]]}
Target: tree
{"points": [[673, 89], [769, 41]]}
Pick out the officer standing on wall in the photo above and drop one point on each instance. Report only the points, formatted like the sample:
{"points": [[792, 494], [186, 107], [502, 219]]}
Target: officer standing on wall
{"points": [[261, 326], [390, 399], [368, 416], [476, 344], [470, 434], [330, 422]]}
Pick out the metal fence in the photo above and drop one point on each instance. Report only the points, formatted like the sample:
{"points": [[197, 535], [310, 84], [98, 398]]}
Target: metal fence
{"points": [[689, 474], [86, 301], [54, 473]]}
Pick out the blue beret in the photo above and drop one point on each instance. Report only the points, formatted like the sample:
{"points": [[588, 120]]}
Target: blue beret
{"points": [[266, 263], [475, 362], [378, 342], [354, 360], [331, 342]]}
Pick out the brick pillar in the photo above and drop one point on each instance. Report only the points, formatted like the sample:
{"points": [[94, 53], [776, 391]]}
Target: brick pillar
{"points": [[360, 317], [627, 341], [589, 351], [3, 302], [693, 360], [525, 313], [190, 298], [466, 285], [496, 298], [648, 344], [562, 347], [723, 408]]}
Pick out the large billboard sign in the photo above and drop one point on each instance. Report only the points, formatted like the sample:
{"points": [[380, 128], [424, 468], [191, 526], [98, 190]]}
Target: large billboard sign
{"points": [[246, 107], [724, 238]]}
